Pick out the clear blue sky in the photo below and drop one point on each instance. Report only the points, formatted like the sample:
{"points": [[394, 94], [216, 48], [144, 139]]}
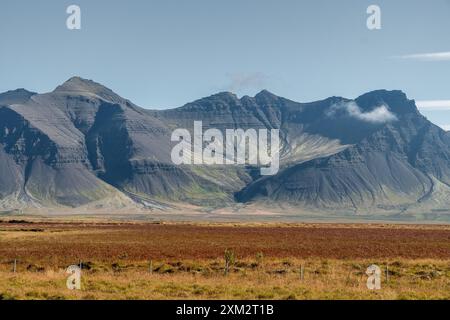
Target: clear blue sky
{"points": [[164, 53]]}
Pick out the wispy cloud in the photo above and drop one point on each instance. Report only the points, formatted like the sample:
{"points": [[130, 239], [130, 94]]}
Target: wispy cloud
{"points": [[431, 56], [433, 104], [380, 114], [245, 81]]}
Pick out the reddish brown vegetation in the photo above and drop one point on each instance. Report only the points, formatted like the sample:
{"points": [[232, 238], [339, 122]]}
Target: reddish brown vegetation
{"points": [[65, 243]]}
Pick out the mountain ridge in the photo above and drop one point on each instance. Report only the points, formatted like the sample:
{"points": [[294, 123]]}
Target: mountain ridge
{"points": [[83, 144]]}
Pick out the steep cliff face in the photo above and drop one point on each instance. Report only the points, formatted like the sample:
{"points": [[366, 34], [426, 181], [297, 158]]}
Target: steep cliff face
{"points": [[394, 167], [84, 144], [48, 156]]}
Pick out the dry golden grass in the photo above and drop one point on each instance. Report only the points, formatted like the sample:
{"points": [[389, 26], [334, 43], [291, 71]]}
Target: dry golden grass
{"points": [[323, 279], [187, 260]]}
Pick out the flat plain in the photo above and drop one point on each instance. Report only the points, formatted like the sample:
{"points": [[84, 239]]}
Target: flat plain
{"points": [[181, 260]]}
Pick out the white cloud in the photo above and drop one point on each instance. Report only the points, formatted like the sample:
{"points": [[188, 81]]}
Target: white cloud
{"points": [[433, 104], [245, 81], [446, 127], [380, 114], [431, 56]]}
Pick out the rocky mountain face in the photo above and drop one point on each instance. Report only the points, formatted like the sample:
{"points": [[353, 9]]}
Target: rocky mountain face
{"points": [[392, 163], [83, 145]]}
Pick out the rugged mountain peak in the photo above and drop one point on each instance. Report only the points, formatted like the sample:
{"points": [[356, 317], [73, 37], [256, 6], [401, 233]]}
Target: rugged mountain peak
{"points": [[225, 95], [79, 85], [15, 96], [266, 93], [221, 100], [265, 97], [395, 100], [20, 91]]}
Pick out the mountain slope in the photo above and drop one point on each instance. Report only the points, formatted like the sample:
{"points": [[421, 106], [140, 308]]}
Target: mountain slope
{"points": [[49, 156], [394, 168], [83, 144]]}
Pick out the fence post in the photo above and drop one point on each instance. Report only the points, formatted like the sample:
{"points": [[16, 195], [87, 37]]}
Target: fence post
{"points": [[387, 273], [15, 266], [302, 272], [150, 267]]}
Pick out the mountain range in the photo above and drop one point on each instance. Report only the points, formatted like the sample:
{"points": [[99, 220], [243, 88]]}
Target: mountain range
{"points": [[84, 146]]}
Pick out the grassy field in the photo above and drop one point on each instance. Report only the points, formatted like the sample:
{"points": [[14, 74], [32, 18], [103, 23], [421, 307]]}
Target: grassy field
{"points": [[186, 261]]}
